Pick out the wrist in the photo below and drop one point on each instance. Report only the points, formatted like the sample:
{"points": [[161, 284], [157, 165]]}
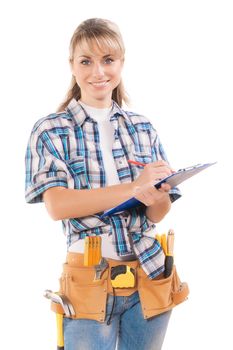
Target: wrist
{"points": [[134, 188], [159, 209]]}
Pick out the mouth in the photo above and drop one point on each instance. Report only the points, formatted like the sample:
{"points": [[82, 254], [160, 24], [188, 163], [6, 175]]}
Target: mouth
{"points": [[100, 83]]}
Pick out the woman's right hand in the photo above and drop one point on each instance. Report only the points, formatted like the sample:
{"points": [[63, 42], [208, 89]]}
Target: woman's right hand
{"points": [[152, 173], [144, 189]]}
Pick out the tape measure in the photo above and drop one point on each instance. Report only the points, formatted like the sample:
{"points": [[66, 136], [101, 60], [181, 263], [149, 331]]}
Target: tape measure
{"points": [[123, 276]]}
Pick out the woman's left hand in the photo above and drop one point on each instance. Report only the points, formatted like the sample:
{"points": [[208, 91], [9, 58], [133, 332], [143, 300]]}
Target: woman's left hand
{"points": [[149, 195]]}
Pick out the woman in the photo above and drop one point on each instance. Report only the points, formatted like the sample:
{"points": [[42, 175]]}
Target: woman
{"points": [[78, 163]]}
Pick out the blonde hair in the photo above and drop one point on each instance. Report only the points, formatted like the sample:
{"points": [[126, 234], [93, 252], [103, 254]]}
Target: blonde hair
{"points": [[106, 35]]}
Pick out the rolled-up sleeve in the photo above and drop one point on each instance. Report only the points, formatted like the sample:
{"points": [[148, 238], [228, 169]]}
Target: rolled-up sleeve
{"points": [[43, 169], [158, 153]]}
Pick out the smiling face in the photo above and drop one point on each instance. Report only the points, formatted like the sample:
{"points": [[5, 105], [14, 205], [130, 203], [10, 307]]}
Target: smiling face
{"points": [[97, 72]]}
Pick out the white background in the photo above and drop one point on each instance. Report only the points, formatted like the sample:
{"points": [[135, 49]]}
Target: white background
{"points": [[179, 74]]}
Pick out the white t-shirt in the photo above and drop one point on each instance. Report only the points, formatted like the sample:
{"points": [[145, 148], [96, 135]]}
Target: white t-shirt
{"points": [[106, 134]]}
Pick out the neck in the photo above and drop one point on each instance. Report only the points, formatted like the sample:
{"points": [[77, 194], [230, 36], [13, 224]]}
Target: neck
{"points": [[106, 103]]}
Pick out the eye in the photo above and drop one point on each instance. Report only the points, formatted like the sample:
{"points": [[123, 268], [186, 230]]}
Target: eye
{"points": [[108, 60], [85, 62]]}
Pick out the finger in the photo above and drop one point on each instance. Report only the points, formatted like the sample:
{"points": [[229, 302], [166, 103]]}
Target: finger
{"points": [[150, 189], [156, 175], [162, 169], [161, 175], [165, 187], [160, 163], [152, 194]]}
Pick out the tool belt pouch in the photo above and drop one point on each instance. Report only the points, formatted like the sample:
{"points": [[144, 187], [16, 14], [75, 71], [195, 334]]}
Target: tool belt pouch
{"points": [[160, 295], [87, 295]]}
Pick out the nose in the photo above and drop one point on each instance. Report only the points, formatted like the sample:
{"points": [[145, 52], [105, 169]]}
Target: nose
{"points": [[98, 71]]}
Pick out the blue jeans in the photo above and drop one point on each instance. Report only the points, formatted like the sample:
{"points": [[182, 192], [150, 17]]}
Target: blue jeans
{"points": [[128, 330]]}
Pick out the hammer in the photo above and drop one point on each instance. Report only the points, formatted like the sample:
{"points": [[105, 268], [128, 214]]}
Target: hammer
{"points": [[68, 311]]}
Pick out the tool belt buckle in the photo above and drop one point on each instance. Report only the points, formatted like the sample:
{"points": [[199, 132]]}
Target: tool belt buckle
{"points": [[123, 276]]}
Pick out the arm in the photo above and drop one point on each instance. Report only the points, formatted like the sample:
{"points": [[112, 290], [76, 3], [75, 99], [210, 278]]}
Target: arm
{"points": [[63, 203]]}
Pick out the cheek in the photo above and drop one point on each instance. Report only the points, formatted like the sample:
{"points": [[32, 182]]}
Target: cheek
{"points": [[116, 71], [79, 75]]}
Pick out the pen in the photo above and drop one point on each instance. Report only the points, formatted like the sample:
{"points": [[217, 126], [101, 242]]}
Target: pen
{"points": [[143, 164], [135, 163]]}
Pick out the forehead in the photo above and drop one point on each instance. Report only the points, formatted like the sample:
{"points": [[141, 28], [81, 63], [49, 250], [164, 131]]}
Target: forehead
{"points": [[98, 47]]}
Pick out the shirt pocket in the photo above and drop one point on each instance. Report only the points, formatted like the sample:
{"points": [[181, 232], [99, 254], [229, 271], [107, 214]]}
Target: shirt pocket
{"points": [[77, 170], [142, 157]]}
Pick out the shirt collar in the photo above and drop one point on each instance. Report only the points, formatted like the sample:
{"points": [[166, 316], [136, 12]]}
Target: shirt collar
{"points": [[79, 114]]}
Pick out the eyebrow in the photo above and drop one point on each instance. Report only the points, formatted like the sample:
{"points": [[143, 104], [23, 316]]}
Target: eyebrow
{"points": [[105, 56]]}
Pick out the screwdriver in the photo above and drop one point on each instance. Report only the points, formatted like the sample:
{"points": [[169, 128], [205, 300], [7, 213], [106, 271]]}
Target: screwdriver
{"points": [[169, 259], [164, 243]]}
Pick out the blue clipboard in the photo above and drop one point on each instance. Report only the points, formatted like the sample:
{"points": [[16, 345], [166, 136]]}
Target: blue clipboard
{"points": [[173, 180]]}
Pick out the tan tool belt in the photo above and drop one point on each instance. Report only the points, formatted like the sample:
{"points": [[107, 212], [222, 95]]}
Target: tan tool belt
{"points": [[89, 297]]}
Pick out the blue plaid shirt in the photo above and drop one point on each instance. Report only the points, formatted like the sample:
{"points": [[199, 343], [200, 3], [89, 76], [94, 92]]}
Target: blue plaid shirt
{"points": [[64, 150]]}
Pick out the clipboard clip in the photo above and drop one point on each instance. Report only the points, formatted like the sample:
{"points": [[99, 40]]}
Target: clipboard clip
{"points": [[190, 167]]}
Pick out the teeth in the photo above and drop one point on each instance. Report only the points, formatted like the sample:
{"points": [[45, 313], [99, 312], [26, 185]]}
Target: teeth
{"points": [[100, 84]]}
